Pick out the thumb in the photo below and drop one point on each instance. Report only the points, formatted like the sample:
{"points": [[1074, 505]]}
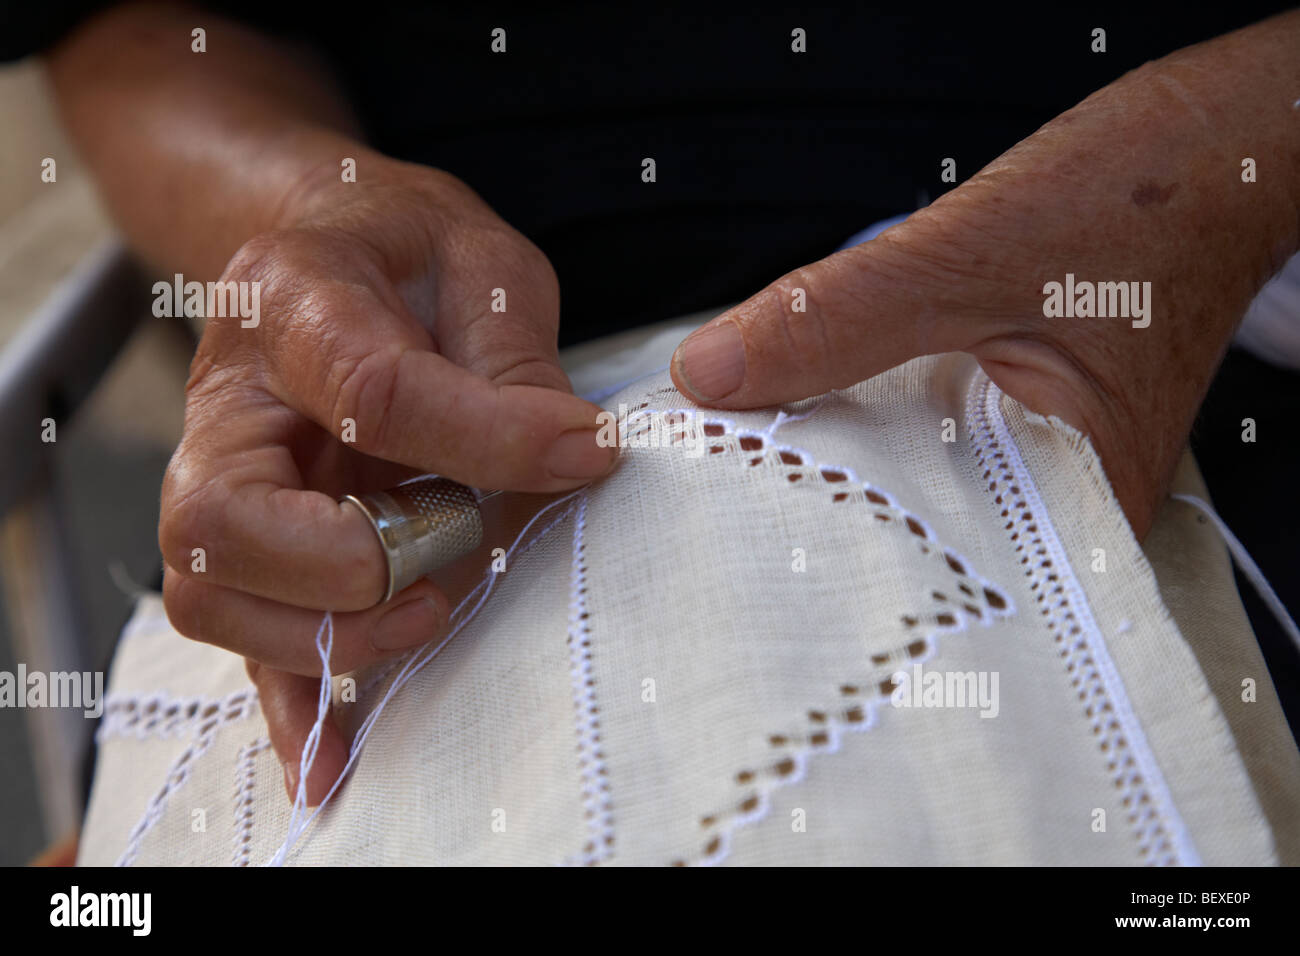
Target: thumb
{"points": [[824, 326]]}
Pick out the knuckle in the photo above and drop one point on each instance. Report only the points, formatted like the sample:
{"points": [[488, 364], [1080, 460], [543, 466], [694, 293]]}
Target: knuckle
{"points": [[308, 338], [286, 267], [260, 258], [187, 520], [182, 600], [462, 450], [537, 272], [801, 336], [938, 248], [244, 305], [508, 259], [363, 389], [514, 368]]}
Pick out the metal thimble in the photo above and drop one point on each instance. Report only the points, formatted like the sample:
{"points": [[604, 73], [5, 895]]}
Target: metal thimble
{"points": [[422, 526]]}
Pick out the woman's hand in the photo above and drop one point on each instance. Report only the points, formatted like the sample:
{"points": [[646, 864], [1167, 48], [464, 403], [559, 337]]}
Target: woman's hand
{"points": [[1142, 182], [377, 353], [377, 356]]}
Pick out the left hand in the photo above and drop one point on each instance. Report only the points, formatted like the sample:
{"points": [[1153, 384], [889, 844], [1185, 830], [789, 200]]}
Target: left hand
{"points": [[1140, 181]]}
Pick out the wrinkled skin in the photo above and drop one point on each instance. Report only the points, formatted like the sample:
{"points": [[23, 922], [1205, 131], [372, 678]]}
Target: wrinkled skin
{"points": [[967, 274]]}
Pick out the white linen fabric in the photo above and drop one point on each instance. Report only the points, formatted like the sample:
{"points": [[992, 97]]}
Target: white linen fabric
{"points": [[703, 659], [1271, 327]]}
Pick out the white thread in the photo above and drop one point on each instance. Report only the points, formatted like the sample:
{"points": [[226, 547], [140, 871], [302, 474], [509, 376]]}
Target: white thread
{"points": [[785, 419], [591, 760], [123, 581], [1248, 567], [411, 668], [244, 779], [235, 707], [324, 647], [1086, 656], [375, 679]]}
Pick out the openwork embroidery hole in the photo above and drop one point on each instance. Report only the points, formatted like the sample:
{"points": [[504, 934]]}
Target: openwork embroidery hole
{"points": [[799, 467], [594, 776], [854, 709], [972, 598], [211, 717], [157, 715], [244, 784]]}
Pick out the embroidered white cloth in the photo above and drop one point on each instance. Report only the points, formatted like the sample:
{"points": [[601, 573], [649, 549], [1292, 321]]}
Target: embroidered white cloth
{"points": [[910, 627]]}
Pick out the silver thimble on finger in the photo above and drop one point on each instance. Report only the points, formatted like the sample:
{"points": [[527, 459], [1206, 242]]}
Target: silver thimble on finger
{"points": [[422, 526]]}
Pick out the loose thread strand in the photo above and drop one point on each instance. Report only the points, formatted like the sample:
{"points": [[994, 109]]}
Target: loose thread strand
{"points": [[409, 670]]}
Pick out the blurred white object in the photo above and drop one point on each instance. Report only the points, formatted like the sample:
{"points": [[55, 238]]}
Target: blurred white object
{"points": [[1271, 329]]}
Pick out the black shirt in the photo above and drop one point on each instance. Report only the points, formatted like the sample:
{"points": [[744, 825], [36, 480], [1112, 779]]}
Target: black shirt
{"points": [[765, 158]]}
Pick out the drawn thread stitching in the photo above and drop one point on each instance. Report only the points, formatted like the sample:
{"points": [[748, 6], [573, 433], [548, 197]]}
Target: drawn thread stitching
{"points": [[823, 728], [591, 759], [758, 448], [1160, 834], [244, 780], [983, 602], [145, 716], [233, 707]]}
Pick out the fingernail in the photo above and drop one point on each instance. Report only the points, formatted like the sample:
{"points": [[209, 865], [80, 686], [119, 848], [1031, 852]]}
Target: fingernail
{"points": [[290, 779], [408, 625], [575, 454], [712, 361]]}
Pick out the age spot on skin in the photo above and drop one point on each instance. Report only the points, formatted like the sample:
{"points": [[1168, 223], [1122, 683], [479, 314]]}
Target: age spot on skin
{"points": [[1150, 192]]}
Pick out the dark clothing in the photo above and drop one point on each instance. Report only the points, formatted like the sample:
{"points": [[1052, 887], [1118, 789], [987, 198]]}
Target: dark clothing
{"points": [[765, 158]]}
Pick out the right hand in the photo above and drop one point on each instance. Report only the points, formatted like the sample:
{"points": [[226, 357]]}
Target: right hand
{"points": [[376, 306]]}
